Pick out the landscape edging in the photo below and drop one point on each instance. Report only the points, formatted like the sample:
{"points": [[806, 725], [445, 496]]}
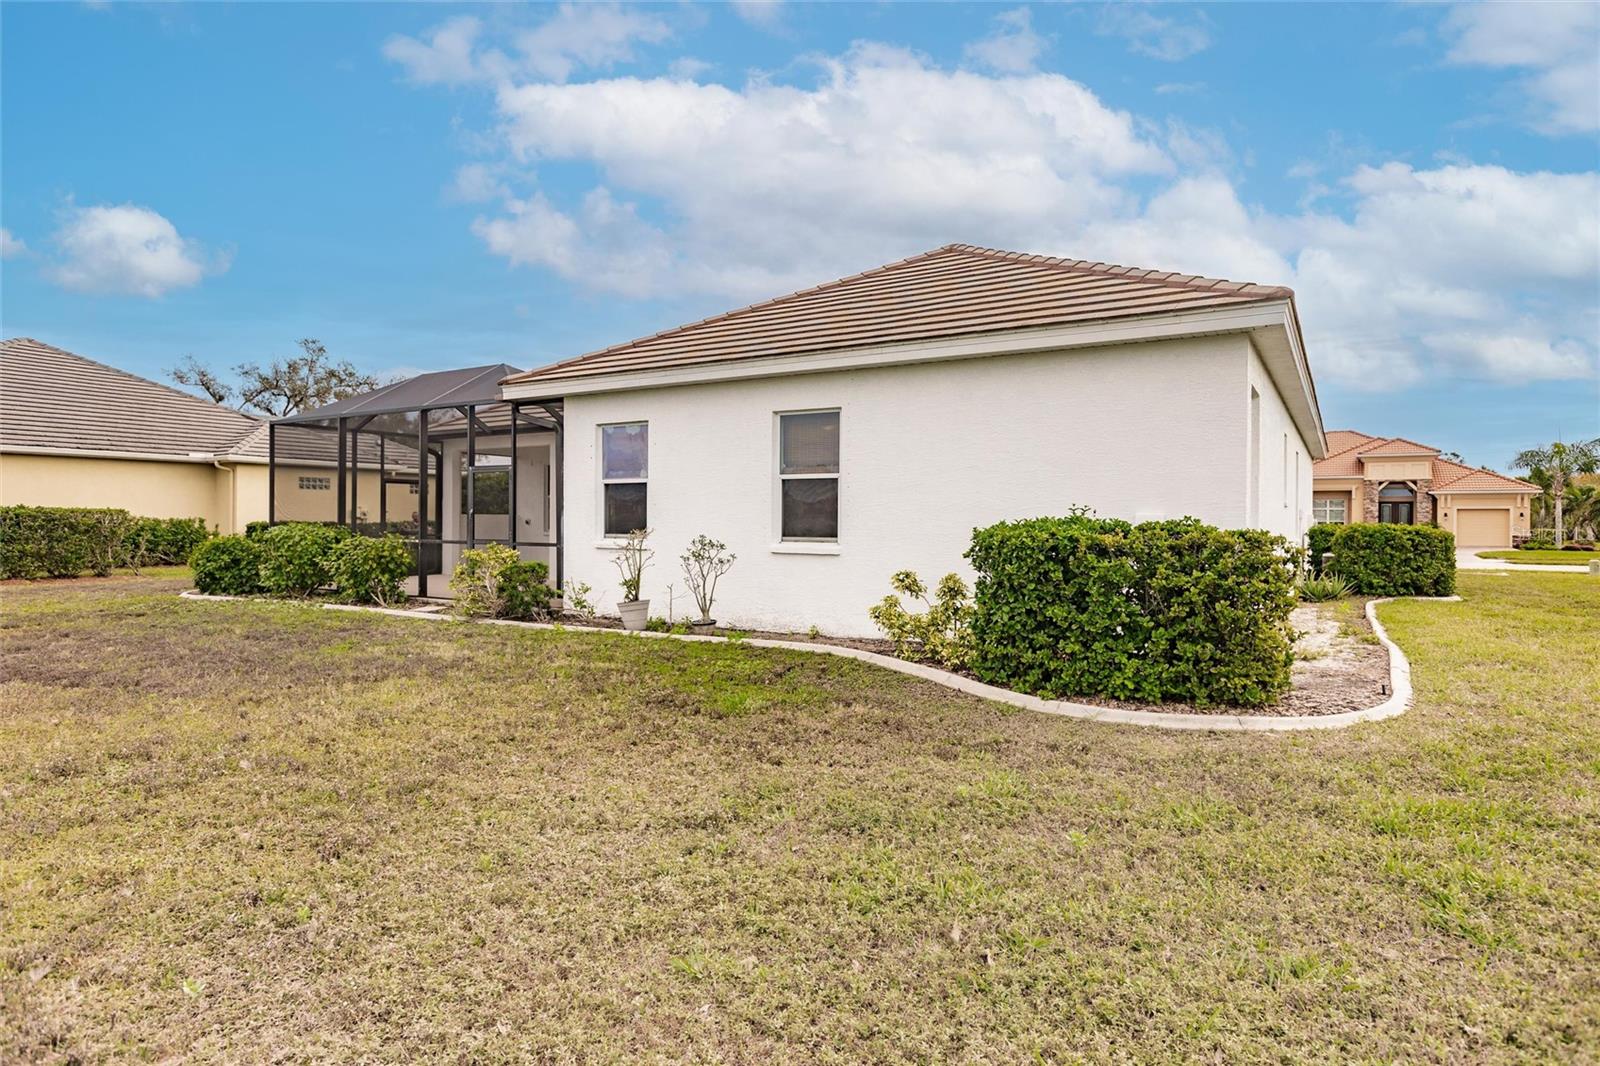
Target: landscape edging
{"points": [[1399, 675]]}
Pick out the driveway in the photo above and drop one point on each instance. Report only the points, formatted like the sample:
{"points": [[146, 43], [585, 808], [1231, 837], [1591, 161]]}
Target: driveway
{"points": [[1468, 559]]}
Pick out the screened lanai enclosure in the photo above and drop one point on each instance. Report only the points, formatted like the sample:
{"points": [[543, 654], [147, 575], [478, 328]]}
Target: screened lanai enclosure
{"points": [[439, 459]]}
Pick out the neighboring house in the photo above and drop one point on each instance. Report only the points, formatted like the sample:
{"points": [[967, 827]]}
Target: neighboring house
{"points": [[1392, 479], [77, 433], [835, 435]]}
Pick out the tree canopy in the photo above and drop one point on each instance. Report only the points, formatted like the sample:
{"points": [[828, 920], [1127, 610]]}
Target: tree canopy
{"points": [[282, 387]]}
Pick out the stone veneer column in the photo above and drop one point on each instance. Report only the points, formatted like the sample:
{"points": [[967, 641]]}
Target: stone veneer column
{"points": [[1424, 502], [1369, 500]]}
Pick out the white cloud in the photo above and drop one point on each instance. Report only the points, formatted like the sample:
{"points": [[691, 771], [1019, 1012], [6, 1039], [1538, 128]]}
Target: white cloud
{"points": [[477, 183], [447, 57], [885, 148], [587, 36], [688, 68], [764, 13], [1404, 274], [1165, 37], [127, 249], [11, 246], [576, 37], [1182, 88], [1558, 44], [1012, 48]]}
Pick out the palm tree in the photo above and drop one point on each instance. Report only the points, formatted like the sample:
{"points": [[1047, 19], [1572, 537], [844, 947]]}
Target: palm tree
{"points": [[1583, 510], [1561, 463]]}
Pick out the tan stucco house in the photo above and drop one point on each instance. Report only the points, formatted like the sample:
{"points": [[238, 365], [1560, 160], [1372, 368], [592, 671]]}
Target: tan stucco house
{"points": [[1392, 479], [78, 433]]}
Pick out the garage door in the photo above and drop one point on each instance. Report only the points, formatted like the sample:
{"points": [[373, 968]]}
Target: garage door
{"points": [[1485, 528]]}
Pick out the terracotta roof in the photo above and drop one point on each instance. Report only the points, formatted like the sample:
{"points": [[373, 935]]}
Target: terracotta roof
{"points": [[1398, 446], [51, 398], [957, 290], [1340, 440], [1456, 477], [1347, 448]]}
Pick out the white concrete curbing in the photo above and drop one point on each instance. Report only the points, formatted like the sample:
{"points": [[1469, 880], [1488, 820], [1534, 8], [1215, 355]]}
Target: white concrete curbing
{"points": [[1395, 705]]}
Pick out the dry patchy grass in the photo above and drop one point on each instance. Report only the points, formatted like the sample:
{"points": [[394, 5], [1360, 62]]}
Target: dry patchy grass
{"points": [[253, 832]]}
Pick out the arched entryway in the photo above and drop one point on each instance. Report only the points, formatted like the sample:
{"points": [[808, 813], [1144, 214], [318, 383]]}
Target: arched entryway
{"points": [[1397, 503]]}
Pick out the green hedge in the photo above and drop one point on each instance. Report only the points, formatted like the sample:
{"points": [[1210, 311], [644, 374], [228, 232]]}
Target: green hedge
{"points": [[1163, 611], [369, 569], [294, 556], [1396, 560], [1319, 542], [164, 541], [227, 566], [61, 541]]}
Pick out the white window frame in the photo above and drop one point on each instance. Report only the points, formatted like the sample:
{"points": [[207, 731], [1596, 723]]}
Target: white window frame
{"points": [[600, 456], [1343, 503], [804, 545]]}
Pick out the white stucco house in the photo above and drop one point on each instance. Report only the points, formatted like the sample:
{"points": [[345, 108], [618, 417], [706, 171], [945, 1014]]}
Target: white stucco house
{"points": [[833, 436]]}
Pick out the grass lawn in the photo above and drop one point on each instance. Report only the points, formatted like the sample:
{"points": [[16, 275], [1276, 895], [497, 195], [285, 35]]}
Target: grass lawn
{"points": [[247, 831], [1543, 556]]}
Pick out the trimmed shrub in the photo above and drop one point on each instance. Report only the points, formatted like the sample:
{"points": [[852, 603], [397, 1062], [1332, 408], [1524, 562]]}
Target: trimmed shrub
{"points": [[256, 528], [1319, 542], [369, 569], [942, 633], [163, 541], [476, 581], [1396, 560], [294, 556], [526, 590], [227, 566], [1162, 611], [61, 541]]}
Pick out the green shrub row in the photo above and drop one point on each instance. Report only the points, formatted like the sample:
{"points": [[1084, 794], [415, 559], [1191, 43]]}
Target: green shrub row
{"points": [[61, 541], [164, 541], [299, 558], [65, 541], [1396, 560], [1161, 611]]}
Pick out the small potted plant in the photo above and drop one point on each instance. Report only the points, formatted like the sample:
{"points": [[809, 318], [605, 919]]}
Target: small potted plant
{"points": [[630, 561], [705, 562]]}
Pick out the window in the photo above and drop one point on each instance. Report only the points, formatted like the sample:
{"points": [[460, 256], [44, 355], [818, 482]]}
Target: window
{"points": [[624, 468], [316, 484], [808, 475], [1334, 509]]}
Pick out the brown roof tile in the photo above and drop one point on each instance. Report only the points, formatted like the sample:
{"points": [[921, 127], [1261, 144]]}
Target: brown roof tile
{"points": [[51, 398], [957, 290]]}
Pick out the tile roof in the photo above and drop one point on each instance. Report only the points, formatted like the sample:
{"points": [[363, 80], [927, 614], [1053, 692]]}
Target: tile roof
{"points": [[1399, 446], [956, 290], [1347, 448], [1457, 477], [51, 398], [1343, 439]]}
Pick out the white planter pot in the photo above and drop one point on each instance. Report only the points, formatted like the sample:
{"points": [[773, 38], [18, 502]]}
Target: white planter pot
{"points": [[635, 614], [702, 626]]}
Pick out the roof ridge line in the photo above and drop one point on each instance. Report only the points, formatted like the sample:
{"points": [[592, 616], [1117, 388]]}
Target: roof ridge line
{"points": [[747, 307], [1116, 270]]}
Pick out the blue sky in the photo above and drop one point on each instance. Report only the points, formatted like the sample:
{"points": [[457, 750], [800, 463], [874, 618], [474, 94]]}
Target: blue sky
{"points": [[424, 186]]}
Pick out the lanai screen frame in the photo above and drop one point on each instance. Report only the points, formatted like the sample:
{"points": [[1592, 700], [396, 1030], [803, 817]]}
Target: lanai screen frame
{"points": [[472, 394]]}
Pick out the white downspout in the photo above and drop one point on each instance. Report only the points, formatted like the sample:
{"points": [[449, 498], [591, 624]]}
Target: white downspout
{"points": [[233, 494]]}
